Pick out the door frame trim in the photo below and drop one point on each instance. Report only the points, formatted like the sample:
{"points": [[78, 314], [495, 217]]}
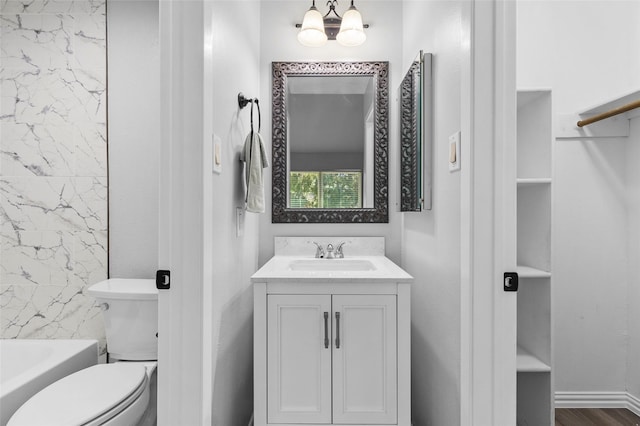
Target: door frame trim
{"points": [[184, 372], [488, 314]]}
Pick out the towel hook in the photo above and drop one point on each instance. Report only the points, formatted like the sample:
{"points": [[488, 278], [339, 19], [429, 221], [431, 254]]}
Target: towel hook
{"points": [[243, 101]]}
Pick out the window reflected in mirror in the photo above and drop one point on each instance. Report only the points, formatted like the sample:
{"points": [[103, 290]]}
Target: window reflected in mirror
{"points": [[325, 190]]}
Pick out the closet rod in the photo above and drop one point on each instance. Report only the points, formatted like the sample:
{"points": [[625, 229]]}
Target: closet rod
{"points": [[615, 111]]}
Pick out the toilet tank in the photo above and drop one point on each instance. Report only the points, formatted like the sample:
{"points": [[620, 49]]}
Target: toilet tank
{"points": [[130, 313]]}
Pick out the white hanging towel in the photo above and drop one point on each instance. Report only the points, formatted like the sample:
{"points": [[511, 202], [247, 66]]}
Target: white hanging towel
{"points": [[255, 158]]}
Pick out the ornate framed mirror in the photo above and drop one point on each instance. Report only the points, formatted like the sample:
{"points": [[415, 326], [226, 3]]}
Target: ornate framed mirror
{"points": [[415, 149], [330, 142]]}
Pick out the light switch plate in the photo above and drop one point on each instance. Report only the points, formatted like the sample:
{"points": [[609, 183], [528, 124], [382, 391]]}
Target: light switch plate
{"points": [[454, 152], [217, 154]]}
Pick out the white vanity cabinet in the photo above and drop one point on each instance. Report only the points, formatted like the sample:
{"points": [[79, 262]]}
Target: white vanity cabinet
{"points": [[331, 359], [332, 353]]}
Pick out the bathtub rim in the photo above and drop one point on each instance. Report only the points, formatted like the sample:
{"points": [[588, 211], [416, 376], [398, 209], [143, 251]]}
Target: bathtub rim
{"points": [[62, 349]]}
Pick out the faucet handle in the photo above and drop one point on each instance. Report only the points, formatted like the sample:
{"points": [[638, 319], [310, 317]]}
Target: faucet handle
{"points": [[319, 250], [339, 253]]}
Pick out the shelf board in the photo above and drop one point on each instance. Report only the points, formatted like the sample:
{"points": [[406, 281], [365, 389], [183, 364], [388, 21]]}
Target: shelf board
{"points": [[616, 126], [529, 272], [612, 103], [533, 181], [527, 363]]}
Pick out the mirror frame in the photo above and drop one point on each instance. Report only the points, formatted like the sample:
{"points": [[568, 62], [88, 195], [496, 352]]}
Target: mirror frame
{"points": [[411, 195], [380, 73], [416, 136]]}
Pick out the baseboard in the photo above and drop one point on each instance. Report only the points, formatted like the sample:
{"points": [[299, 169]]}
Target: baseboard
{"points": [[634, 404], [598, 400]]}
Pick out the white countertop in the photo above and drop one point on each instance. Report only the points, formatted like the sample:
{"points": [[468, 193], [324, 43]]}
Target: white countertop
{"points": [[277, 269]]}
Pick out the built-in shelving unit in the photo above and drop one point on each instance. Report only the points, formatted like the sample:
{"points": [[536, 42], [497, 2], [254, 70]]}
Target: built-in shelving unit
{"points": [[534, 186]]}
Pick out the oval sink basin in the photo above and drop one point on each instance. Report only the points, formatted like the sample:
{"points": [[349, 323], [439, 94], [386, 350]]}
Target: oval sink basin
{"points": [[331, 265]]}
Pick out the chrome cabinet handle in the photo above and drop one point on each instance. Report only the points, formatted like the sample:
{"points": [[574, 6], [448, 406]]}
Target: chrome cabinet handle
{"points": [[337, 330], [326, 330]]}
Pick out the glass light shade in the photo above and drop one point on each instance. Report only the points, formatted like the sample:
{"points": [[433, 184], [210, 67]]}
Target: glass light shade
{"points": [[351, 30], [312, 31]]}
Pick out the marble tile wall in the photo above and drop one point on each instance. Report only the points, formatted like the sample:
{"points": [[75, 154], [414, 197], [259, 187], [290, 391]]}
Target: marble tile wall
{"points": [[53, 167]]}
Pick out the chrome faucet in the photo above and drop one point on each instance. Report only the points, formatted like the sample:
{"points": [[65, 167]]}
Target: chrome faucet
{"points": [[330, 254], [319, 251]]}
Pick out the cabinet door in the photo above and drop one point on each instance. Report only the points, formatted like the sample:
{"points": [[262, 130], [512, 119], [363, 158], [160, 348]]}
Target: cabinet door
{"points": [[364, 359], [298, 360]]}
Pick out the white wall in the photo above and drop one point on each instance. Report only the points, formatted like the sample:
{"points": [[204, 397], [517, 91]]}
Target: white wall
{"points": [[586, 51], [633, 292], [431, 239], [134, 135], [587, 54], [589, 265], [235, 29], [279, 43]]}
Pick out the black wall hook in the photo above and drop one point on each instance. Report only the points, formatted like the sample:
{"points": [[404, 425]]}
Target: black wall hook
{"points": [[243, 102]]}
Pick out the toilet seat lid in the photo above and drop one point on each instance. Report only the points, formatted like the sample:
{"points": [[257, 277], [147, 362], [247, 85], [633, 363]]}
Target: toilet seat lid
{"points": [[82, 396]]}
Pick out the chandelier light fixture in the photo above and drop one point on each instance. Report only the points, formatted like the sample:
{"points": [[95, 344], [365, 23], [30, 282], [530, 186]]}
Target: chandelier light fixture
{"points": [[316, 29]]}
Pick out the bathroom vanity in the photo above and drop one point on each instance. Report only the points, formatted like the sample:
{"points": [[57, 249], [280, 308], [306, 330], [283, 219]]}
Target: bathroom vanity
{"points": [[331, 336]]}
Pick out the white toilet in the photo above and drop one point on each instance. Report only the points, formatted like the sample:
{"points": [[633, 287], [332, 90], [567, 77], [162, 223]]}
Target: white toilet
{"points": [[121, 393]]}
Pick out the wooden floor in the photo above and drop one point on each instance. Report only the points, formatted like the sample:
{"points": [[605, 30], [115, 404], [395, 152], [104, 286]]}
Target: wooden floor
{"points": [[596, 417]]}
